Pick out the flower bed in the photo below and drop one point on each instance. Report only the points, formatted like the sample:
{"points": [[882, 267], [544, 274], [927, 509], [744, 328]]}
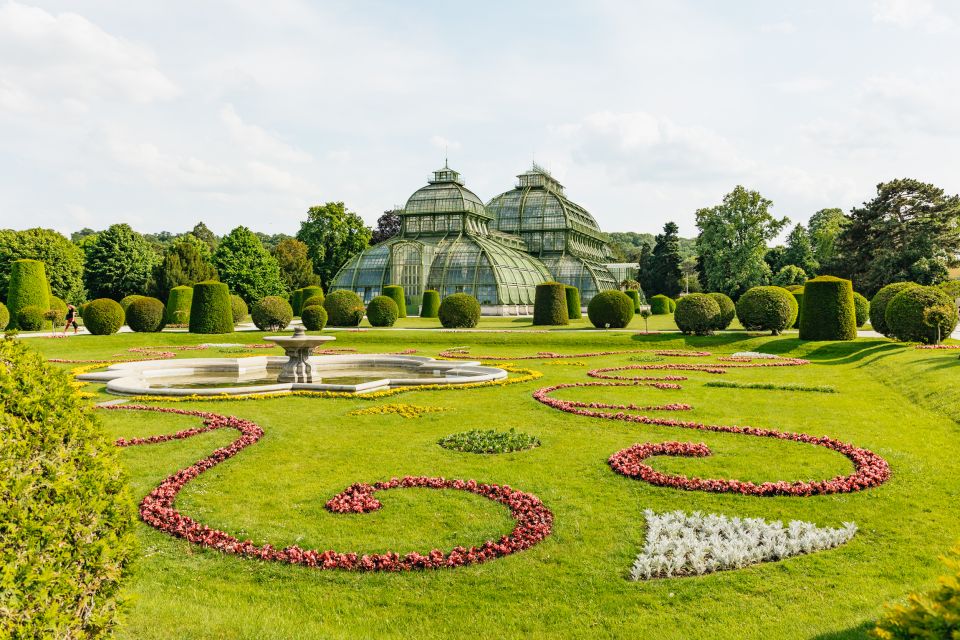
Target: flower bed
{"points": [[462, 353], [400, 409], [489, 441], [770, 386]]}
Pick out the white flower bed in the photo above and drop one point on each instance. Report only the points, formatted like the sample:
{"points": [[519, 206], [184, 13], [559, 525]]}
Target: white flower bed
{"points": [[681, 544], [754, 354]]}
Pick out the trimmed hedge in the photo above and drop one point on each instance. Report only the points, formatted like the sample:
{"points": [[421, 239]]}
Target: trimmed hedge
{"points": [[307, 294], [32, 318], [67, 506], [296, 301], [828, 310], [798, 296], [770, 309], [103, 317], [344, 308], [4, 316], [178, 305], [383, 311], [128, 300], [459, 311], [660, 305], [794, 287], [271, 313], [610, 309], [395, 292], [145, 315], [574, 312], [238, 309], [210, 310], [673, 305], [728, 311], [697, 313], [861, 307], [921, 314], [550, 304], [28, 286], [634, 295], [430, 305], [951, 287], [314, 317], [878, 305]]}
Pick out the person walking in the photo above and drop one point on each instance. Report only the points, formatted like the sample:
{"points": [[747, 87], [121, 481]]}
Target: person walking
{"points": [[71, 319]]}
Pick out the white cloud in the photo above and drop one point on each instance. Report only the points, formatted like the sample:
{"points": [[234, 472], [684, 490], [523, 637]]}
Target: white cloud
{"points": [[909, 14], [258, 141], [802, 84], [439, 142], [782, 27]]}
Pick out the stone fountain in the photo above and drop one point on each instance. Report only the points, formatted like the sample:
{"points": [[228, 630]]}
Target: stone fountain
{"points": [[298, 349]]}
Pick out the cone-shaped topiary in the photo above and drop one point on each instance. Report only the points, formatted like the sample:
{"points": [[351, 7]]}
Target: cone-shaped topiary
{"points": [[862, 308], [660, 305], [574, 311], [32, 318], [634, 295], [238, 309], [314, 317], [550, 304], [921, 314], [210, 310], [697, 313], [103, 317], [395, 292], [430, 304], [382, 311], [145, 315], [306, 295], [878, 306], [179, 301], [828, 310], [4, 316], [28, 286], [271, 313], [344, 308], [296, 301], [610, 309], [770, 309], [459, 311], [728, 311], [798, 296]]}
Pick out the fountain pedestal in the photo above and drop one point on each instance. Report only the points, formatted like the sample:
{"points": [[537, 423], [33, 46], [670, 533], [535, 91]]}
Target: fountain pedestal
{"points": [[298, 349]]}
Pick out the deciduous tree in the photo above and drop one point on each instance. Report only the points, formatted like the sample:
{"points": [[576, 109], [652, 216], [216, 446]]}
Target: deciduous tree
{"points": [[119, 262], [63, 260], [332, 234], [246, 267]]}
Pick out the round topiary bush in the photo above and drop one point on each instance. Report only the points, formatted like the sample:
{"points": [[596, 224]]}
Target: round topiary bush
{"points": [[921, 314], [238, 309], [878, 306], [574, 311], [611, 309], [103, 317], [395, 292], [67, 510], [382, 311], [430, 304], [307, 294], [210, 310], [697, 313], [32, 318], [4, 316], [951, 288], [660, 305], [145, 315], [344, 308], [28, 287], [828, 310], [178, 305], [673, 305], [861, 307], [794, 287], [271, 313], [315, 300], [459, 311], [128, 300], [770, 309], [550, 304], [314, 317], [728, 311]]}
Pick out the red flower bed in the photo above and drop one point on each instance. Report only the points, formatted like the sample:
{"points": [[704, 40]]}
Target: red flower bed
{"points": [[719, 367], [464, 354], [534, 521]]}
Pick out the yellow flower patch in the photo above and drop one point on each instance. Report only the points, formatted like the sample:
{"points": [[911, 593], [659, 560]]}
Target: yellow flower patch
{"points": [[400, 409]]}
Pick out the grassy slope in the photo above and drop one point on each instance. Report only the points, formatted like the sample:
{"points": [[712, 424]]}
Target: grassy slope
{"points": [[573, 583]]}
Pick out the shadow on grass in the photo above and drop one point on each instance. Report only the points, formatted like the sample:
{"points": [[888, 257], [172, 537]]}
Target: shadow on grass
{"points": [[854, 351], [862, 630]]}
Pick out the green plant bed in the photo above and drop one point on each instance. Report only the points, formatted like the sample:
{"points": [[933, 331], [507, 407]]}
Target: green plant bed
{"points": [[489, 441], [770, 386]]}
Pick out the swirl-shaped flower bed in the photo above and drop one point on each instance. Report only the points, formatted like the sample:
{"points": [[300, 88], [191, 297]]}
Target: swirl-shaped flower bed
{"points": [[462, 353], [712, 367]]}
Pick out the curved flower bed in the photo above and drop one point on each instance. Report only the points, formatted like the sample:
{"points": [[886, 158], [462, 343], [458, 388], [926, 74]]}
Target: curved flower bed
{"points": [[719, 367], [534, 521], [462, 353]]}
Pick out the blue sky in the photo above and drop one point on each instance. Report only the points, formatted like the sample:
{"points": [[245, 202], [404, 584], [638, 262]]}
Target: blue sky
{"points": [[161, 114]]}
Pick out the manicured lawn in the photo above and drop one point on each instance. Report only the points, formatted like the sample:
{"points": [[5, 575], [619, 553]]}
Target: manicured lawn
{"points": [[901, 403]]}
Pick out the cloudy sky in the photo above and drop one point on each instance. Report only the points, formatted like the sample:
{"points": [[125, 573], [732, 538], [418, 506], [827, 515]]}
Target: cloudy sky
{"points": [[161, 114]]}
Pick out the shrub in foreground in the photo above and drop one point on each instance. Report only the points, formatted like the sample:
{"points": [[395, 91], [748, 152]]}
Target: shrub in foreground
{"points": [[210, 308], [728, 311], [550, 304], [951, 288], [610, 309], [344, 308], [770, 309], [4, 316], [430, 304], [177, 310], [921, 314], [828, 310], [103, 316], [238, 309], [574, 311], [697, 313], [930, 615], [660, 304], [145, 315], [382, 311], [459, 311], [878, 306], [861, 307], [271, 313], [32, 318], [314, 317], [395, 292], [28, 287]]}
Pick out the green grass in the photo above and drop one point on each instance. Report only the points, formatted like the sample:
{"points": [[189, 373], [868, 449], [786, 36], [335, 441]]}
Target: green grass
{"points": [[902, 403], [771, 386]]}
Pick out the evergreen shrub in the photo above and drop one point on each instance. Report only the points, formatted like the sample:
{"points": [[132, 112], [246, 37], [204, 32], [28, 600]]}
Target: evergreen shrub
{"points": [[951, 287], [238, 309], [550, 304], [344, 308], [574, 311], [430, 304], [271, 313], [4, 316], [697, 313], [828, 310], [296, 301], [145, 315], [128, 300], [728, 311], [103, 317], [383, 311], [798, 296], [28, 287], [306, 295], [314, 317], [32, 318], [660, 304], [878, 306], [862, 308], [395, 292], [179, 301], [610, 309], [459, 311], [315, 300], [210, 310], [767, 308], [635, 296], [921, 314], [57, 313], [673, 304]]}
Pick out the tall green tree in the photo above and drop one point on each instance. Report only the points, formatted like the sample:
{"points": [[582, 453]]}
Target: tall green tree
{"points": [[909, 232], [119, 262], [644, 261], [665, 262], [185, 262], [296, 269], [63, 260], [388, 225], [202, 232], [733, 241], [246, 267], [799, 252], [825, 227], [332, 235]]}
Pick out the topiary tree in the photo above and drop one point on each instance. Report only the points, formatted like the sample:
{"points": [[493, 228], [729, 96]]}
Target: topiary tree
{"points": [[296, 301], [382, 311], [728, 311], [765, 308], [210, 310], [313, 294], [660, 304], [238, 309], [921, 314], [550, 304], [861, 307], [67, 512], [635, 296], [128, 300], [62, 258], [314, 317], [28, 287], [430, 304], [103, 317], [272, 313], [32, 318], [395, 292], [145, 315], [878, 306], [697, 313], [610, 309], [459, 311], [574, 311], [4, 316], [344, 308], [58, 312], [179, 301], [315, 300], [673, 304], [798, 296], [828, 310]]}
